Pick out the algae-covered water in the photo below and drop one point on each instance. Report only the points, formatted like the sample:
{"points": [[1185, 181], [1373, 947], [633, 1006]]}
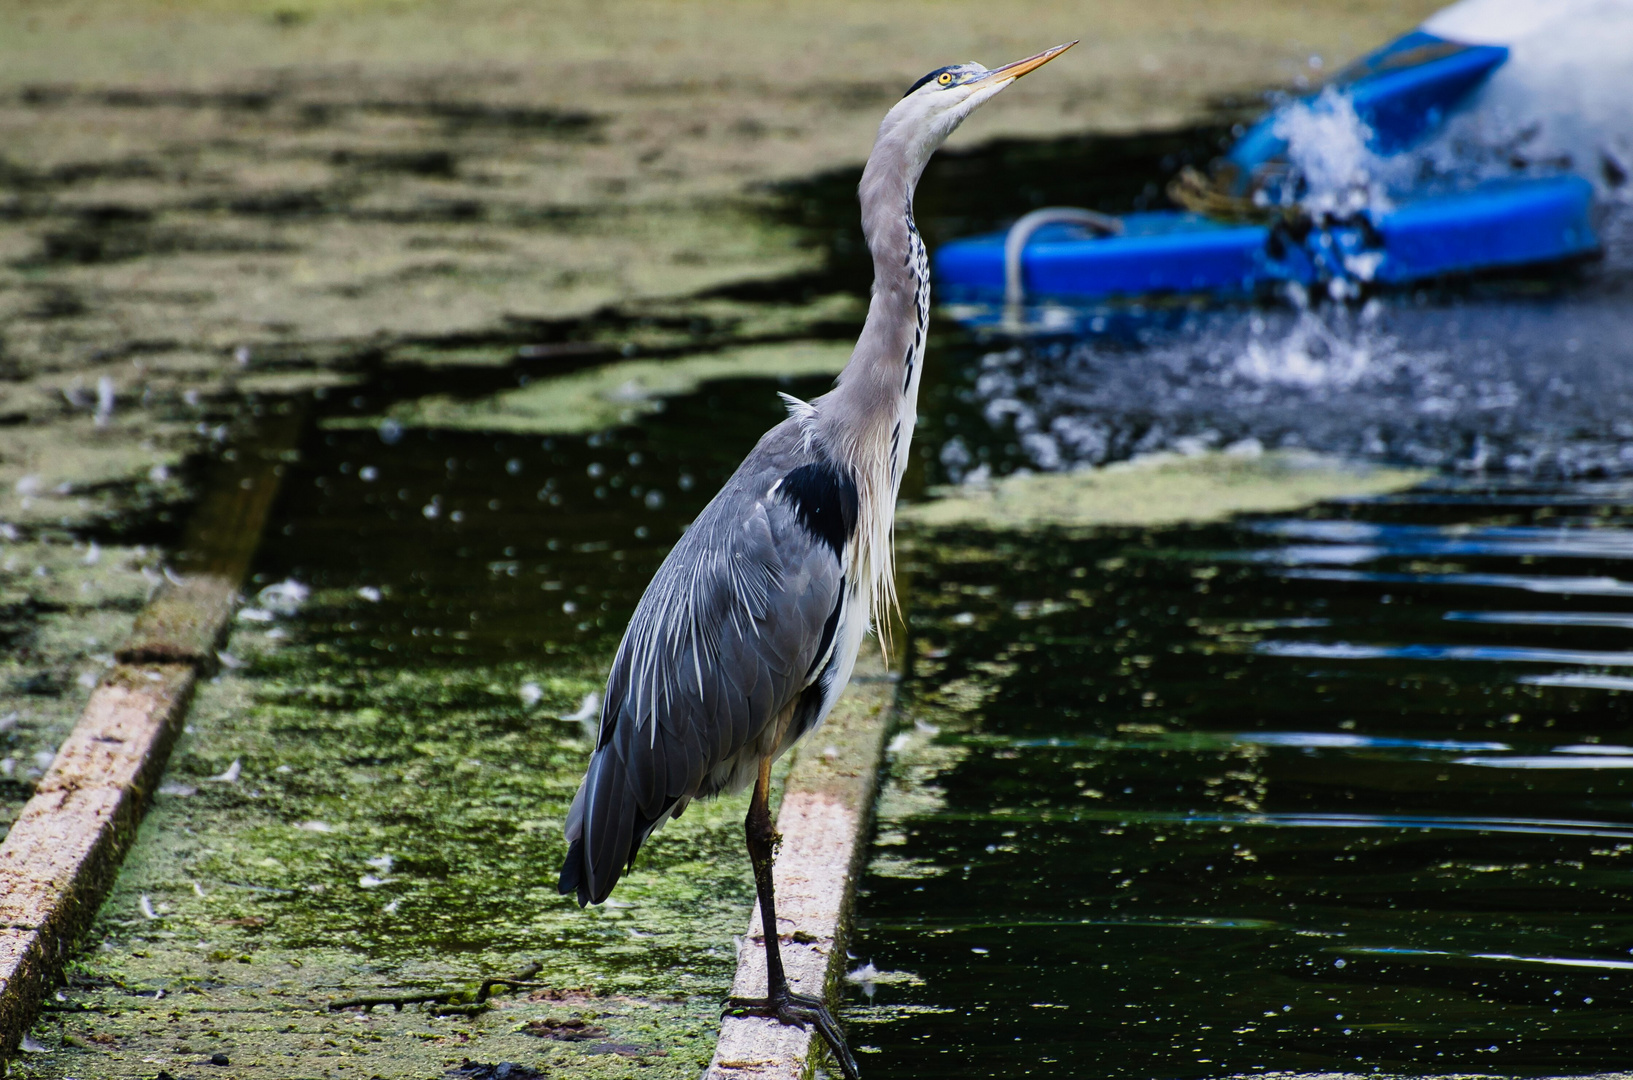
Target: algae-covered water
{"points": [[368, 801]]}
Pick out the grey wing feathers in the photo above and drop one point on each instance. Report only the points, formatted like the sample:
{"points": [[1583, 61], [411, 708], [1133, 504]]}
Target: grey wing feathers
{"points": [[722, 643]]}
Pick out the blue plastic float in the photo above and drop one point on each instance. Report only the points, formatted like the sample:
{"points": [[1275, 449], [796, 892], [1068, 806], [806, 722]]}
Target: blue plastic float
{"points": [[1503, 223], [1401, 92]]}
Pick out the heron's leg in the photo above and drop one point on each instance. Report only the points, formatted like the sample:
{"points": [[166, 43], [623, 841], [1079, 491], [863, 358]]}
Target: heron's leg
{"points": [[762, 839], [780, 1003]]}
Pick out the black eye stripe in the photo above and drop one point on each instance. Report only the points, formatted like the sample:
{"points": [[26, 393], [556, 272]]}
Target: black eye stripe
{"points": [[934, 74]]}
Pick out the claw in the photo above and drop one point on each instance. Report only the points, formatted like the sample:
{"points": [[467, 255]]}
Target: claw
{"points": [[799, 1009]]}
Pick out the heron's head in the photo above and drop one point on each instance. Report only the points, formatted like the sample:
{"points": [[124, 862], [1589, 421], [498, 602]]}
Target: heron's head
{"points": [[934, 106]]}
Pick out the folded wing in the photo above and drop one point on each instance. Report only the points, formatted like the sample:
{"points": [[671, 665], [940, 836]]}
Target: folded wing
{"points": [[737, 624]]}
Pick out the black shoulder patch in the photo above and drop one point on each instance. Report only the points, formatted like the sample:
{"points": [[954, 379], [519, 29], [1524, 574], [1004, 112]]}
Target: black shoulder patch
{"points": [[825, 500], [928, 77]]}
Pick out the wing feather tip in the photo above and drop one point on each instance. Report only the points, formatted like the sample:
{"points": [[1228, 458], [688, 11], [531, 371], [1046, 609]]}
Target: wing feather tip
{"points": [[572, 874]]}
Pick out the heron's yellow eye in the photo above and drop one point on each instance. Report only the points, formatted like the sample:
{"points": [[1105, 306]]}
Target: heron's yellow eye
{"points": [[946, 78]]}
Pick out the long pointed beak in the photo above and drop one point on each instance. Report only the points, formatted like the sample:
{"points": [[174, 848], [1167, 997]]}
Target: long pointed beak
{"points": [[1010, 72]]}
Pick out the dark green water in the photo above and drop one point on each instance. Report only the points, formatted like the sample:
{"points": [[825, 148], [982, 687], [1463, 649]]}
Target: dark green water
{"points": [[492, 546], [1340, 791]]}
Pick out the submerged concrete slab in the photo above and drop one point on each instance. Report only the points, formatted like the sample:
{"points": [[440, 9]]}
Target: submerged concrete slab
{"points": [[1159, 489], [826, 808]]}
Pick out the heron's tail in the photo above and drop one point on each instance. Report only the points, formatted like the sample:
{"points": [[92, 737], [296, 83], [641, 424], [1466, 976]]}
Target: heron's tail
{"points": [[605, 830]]}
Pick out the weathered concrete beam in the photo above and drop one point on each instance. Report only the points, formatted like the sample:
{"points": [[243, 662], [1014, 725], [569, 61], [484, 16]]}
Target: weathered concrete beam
{"points": [[63, 852], [826, 812]]}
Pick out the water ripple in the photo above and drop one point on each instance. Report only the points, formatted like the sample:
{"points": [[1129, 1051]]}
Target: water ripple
{"points": [[1536, 583], [1396, 822], [1612, 620], [1555, 961], [1585, 682], [1345, 650], [1601, 542]]}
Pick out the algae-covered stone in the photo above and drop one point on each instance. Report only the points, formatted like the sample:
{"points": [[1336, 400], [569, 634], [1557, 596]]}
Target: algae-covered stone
{"points": [[611, 394], [1165, 489]]}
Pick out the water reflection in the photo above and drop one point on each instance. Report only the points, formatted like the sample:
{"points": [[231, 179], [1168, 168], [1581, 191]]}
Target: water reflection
{"points": [[1199, 802], [483, 546], [1344, 650], [1559, 585]]}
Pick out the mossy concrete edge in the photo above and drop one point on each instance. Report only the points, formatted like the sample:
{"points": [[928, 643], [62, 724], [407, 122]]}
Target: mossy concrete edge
{"points": [[61, 855], [824, 818]]}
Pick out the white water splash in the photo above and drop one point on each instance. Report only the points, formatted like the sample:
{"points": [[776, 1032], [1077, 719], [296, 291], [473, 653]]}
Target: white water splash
{"points": [[1314, 352], [1328, 146], [1493, 387]]}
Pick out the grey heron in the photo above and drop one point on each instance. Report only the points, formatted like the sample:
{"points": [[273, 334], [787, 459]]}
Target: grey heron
{"points": [[748, 633]]}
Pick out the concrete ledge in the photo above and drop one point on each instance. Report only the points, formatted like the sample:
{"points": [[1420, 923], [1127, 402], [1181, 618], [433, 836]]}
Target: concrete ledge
{"points": [[63, 851], [826, 811]]}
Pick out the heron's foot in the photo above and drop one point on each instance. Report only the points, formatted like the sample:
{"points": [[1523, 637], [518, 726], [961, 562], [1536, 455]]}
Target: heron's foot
{"points": [[800, 1009]]}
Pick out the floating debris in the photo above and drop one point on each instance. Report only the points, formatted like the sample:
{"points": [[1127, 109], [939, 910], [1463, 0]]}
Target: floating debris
{"points": [[230, 775], [104, 401], [588, 709], [284, 598], [572, 1029]]}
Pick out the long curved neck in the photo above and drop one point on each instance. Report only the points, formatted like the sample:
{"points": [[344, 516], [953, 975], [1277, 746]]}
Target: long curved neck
{"points": [[867, 420], [879, 386]]}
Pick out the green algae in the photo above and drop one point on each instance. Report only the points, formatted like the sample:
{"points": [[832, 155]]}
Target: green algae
{"points": [[392, 830], [1165, 489], [611, 394], [69, 473]]}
